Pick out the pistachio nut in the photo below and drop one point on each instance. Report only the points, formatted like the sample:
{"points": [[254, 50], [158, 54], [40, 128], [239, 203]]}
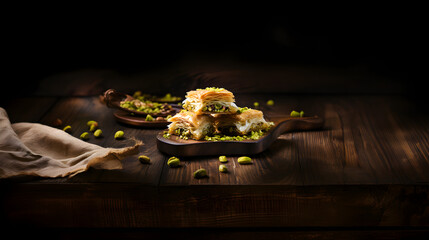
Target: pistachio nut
{"points": [[244, 160], [223, 159], [119, 134], [67, 129], [144, 159], [200, 173], [84, 136], [173, 162], [223, 168], [92, 122], [98, 133]]}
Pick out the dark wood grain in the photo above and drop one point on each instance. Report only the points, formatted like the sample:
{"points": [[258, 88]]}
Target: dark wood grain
{"points": [[28, 109], [367, 167], [133, 205]]}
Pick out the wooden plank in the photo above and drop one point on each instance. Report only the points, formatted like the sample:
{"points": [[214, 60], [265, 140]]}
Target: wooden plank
{"points": [[28, 109], [320, 153], [281, 206], [133, 205], [411, 130], [375, 145], [228, 233]]}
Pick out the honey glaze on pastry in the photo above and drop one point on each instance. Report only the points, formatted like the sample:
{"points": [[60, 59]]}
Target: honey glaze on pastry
{"points": [[210, 100], [188, 125], [245, 121]]}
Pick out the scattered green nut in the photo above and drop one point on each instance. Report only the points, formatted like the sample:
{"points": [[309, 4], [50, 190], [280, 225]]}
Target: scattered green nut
{"points": [[98, 133], [144, 159], [84, 136], [92, 122], [119, 134], [301, 114], [294, 114], [173, 162], [244, 160], [93, 127], [200, 173], [270, 102], [223, 168], [67, 129], [256, 104], [149, 118], [223, 159]]}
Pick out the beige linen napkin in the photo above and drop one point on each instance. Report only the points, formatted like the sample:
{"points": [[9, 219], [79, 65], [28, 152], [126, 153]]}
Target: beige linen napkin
{"points": [[40, 150]]}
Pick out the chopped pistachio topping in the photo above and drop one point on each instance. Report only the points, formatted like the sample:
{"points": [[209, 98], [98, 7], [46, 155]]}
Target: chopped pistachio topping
{"points": [[145, 106], [216, 107], [148, 97], [149, 118], [243, 109], [253, 135], [212, 89], [166, 135]]}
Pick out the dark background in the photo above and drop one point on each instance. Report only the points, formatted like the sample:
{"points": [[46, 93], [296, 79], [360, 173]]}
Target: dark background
{"points": [[342, 51]]}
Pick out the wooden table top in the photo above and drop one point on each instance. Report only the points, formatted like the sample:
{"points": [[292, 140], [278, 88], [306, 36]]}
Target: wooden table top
{"points": [[368, 166]]}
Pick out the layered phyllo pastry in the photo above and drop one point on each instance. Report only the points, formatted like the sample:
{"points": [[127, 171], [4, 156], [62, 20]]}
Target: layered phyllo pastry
{"points": [[210, 101], [242, 123], [189, 125]]}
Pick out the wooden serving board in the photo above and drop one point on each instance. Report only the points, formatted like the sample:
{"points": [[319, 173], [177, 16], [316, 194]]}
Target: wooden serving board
{"points": [[179, 147], [138, 121]]}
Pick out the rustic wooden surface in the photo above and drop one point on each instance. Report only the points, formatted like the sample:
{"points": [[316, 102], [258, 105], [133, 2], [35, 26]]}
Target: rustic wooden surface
{"points": [[368, 167]]}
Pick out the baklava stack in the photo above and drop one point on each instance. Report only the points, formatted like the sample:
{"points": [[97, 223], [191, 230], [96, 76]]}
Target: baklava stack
{"points": [[213, 111]]}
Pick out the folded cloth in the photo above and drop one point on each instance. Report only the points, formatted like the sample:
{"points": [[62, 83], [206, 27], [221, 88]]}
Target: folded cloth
{"points": [[40, 150]]}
